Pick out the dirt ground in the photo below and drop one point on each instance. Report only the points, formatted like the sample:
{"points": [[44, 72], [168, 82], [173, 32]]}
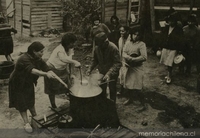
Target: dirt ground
{"points": [[174, 106]]}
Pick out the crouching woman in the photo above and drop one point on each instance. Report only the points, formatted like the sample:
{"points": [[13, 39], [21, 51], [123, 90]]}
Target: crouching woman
{"points": [[134, 54]]}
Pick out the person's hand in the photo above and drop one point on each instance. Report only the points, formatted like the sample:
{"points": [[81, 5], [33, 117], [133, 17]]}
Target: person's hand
{"points": [[77, 64], [88, 72], [72, 76], [51, 75], [106, 78], [125, 55]]}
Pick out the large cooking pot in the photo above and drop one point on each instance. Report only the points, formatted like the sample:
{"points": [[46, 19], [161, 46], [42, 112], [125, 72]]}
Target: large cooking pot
{"points": [[6, 68], [89, 107]]}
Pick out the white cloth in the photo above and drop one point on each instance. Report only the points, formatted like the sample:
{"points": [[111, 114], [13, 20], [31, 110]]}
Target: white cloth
{"points": [[55, 59], [170, 29], [122, 70]]}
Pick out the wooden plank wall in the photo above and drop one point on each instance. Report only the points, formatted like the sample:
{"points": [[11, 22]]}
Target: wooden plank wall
{"points": [[18, 16], [122, 11], [3, 6], [33, 16], [22, 16], [109, 10], [45, 13]]}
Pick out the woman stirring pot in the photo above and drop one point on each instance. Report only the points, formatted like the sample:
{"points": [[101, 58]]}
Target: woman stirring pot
{"points": [[59, 62], [22, 80]]}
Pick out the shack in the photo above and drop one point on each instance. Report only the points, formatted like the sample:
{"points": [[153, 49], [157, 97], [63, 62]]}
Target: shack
{"points": [[183, 7], [147, 13], [136, 12], [128, 11], [33, 16], [131, 13]]}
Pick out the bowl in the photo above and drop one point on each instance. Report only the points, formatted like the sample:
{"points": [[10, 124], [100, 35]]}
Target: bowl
{"points": [[6, 68]]}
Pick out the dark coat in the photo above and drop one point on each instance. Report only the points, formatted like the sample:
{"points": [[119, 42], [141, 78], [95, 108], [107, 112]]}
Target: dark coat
{"points": [[108, 61], [174, 40], [115, 33], [21, 82]]}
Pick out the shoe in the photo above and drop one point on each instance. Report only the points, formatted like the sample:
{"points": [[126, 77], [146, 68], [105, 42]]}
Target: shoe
{"points": [[168, 81], [142, 108], [127, 102], [53, 106], [119, 94], [28, 128], [137, 103]]}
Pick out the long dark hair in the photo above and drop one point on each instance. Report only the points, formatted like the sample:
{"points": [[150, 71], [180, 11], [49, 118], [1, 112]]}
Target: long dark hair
{"points": [[139, 34], [67, 39], [127, 29], [114, 17]]}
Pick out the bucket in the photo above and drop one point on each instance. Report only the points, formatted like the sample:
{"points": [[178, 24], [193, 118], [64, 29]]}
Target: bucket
{"points": [[6, 68]]}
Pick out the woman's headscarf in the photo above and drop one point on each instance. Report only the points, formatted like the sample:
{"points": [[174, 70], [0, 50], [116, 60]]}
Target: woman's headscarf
{"points": [[35, 46]]}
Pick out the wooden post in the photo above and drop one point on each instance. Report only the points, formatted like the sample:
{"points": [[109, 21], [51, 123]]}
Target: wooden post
{"points": [[0, 7], [21, 17], [152, 14], [30, 18], [171, 4], [14, 15], [128, 12], [103, 10], [115, 8], [49, 20], [191, 5]]}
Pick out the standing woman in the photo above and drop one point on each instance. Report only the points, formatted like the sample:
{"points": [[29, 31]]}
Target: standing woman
{"points": [[97, 28], [23, 79], [114, 27], [6, 40], [172, 41], [60, 63], [125, 37], [134, 54]]}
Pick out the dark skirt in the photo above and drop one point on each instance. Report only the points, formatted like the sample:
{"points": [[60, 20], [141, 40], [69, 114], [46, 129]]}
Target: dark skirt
{"points": [[6, 45], [53, 86], [21, 98]]}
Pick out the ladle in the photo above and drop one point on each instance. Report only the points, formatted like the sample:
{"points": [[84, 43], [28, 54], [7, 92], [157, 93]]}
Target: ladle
{"points": [[106, 82]]}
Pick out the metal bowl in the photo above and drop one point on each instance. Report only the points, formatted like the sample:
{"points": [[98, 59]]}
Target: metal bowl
{"points": [[6, 68]]}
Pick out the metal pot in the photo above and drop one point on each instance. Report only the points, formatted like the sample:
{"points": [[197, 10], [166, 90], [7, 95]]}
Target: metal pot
{"points": [[6, 68], [89, 89], [92, 108], [88, 112]]}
